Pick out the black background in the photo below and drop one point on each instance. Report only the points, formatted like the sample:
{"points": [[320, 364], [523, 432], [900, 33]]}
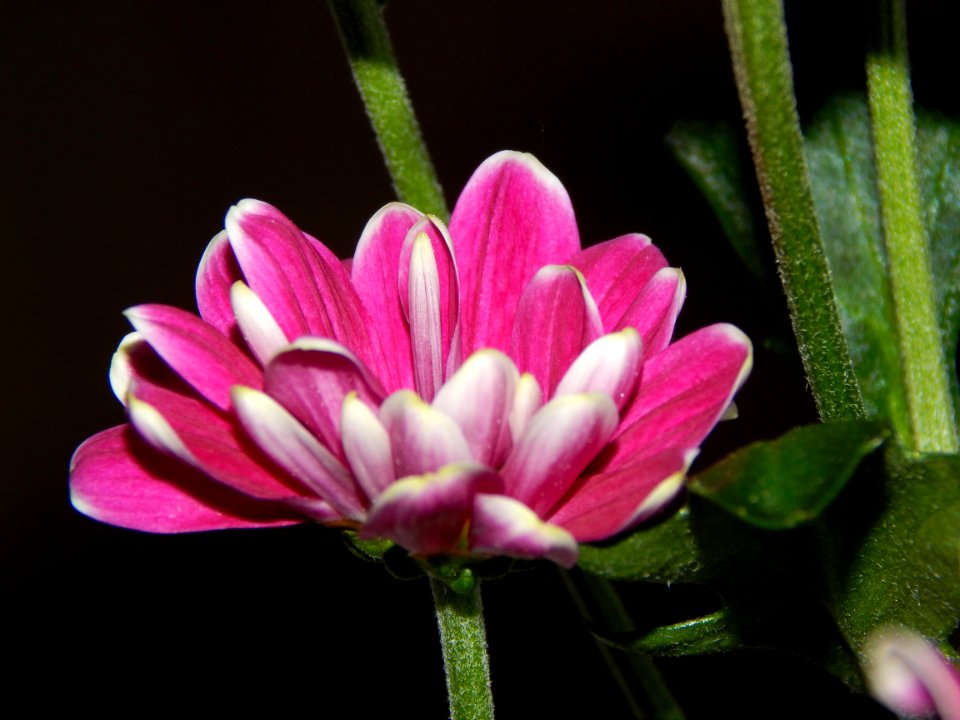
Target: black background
{"points": [[127, 131]]}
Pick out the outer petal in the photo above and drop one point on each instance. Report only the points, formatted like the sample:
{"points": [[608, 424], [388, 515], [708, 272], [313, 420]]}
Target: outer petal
{"points": [[117, 479], [654, 311], [616, 272], [430, 295], [260, 331], [217, 273], [610, 365], [909, 675], [602, 505], [375, 273], [133, 361], [196, 351], [683, 393], [297, 451], [556, 320], [207, 440], [304, 286], [366, 446], [423, 439], [512, 218], [427, 514], [560, 441], [503, 526], [479, 398], [310, 379]]}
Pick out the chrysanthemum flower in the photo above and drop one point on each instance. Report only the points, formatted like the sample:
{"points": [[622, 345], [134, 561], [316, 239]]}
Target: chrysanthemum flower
{"points": [[490, 389]]}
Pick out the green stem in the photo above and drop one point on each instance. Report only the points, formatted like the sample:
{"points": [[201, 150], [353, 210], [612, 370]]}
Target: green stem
{"points": [[761, 61], [464, 641], [365, 38], [923, 365]]}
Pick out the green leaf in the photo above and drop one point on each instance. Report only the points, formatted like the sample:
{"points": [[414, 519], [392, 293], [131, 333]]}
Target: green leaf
{"points": [[938, 157], [894, 549], [840, 158], [712, 633], [779, 484], [710, 153]]}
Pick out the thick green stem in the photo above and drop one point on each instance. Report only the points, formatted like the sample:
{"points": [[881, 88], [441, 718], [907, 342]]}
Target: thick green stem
{"points": [[923, 365], [464, 641], [761, 61], [364, 34]]}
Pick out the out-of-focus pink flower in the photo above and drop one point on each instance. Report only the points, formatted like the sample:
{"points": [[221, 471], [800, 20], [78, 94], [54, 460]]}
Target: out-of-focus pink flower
{"points": [[490, 389], [910, 676]]}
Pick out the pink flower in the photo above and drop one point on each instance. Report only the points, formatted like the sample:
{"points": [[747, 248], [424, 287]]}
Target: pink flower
{"points": [[910, 676], [491, 390]]}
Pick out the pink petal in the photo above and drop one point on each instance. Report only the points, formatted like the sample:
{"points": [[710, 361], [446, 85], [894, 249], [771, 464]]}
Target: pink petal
{"points": [[610, 365], [430, 295], [366, 446], [135, 360], [616, 272], [479, 398], [207, 440], [559, 442], [375, 274], [260, 331], [217, 273], [526, 402], [512, 218], [683, 393], [556, 320], [501, 525], [606, 503], [427, 514], [297, 451], [304, 286], [423, 439], [117, 479], [311, 378], [654, 311], [197, 351], [910, 676]]}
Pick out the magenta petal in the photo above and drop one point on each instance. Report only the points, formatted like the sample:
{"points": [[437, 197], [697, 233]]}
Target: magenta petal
{"points": [[423, 439], [480, 398], [610, 365], [609, 502], [683, 393], [310, 379], [910, 676], [428, 514], [430, 295], [503, 526], [375, 273], [616, 271], [198, 352], [133, 361], [304, 286], [526, 402], [511, 219], [260, 331], [556, 320], [117, 479], [366, 446], [559, 442], [217, 273], [654, 311], [206, 439], [297, 451]]}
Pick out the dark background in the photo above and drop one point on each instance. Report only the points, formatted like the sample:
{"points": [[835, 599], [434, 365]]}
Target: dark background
{"points": [[127, 131]]}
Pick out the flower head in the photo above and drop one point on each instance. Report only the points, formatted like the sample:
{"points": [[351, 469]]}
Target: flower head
{"points": [[487, 389]]}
